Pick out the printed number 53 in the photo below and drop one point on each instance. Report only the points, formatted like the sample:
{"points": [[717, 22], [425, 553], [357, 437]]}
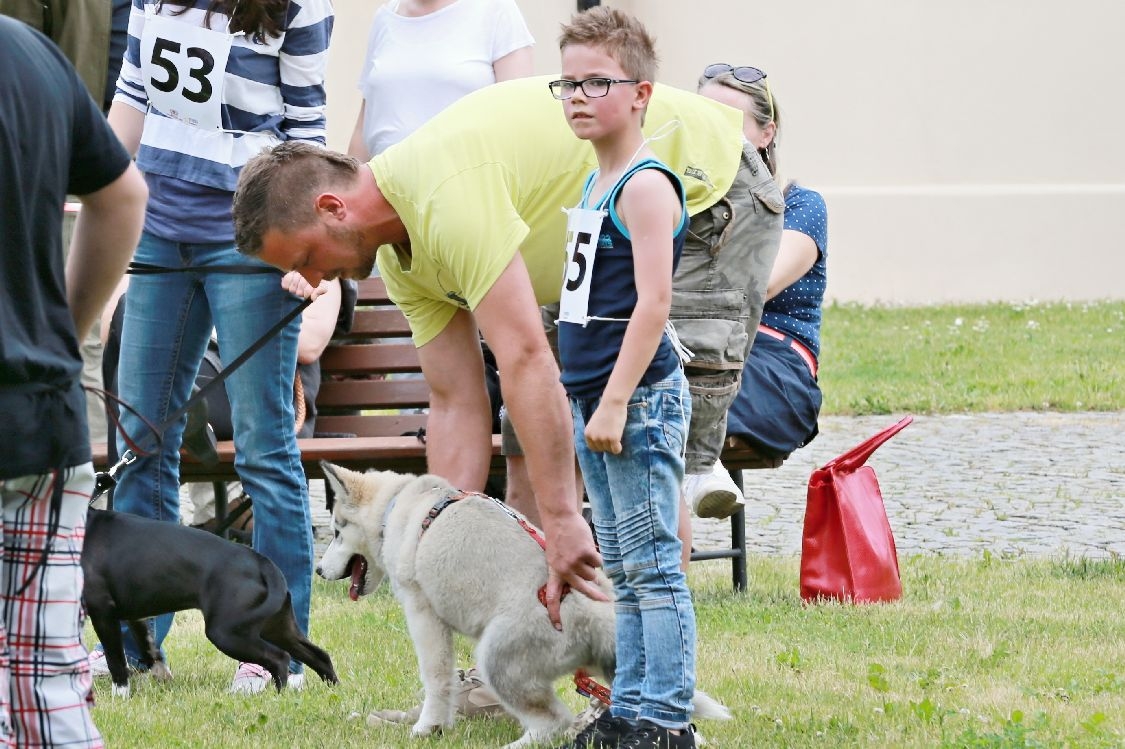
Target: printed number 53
{"points": [[161, 48]]}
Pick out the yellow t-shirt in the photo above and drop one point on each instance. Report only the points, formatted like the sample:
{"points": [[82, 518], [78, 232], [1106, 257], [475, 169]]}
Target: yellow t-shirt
{"points": [[490, 175]]}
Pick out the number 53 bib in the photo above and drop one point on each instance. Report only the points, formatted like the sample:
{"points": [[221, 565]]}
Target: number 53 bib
{"points": [[184, 68]]}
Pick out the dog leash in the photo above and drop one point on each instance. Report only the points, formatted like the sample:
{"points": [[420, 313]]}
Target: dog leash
{"points": [[106, 480], [587, 686]]}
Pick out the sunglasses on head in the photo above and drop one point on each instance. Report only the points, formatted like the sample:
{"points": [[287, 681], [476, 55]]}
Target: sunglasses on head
{"points": [[743, 73]]}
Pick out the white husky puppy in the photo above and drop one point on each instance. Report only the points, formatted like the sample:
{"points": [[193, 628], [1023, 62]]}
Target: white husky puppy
{"points": [[463, 563]]}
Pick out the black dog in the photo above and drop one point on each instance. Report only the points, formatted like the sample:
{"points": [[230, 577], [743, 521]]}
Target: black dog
{"points": [[136, 568]]}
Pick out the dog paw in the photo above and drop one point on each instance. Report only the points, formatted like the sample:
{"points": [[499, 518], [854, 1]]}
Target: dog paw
{"points": [[121, 691], [422, 728], [160, 671]]}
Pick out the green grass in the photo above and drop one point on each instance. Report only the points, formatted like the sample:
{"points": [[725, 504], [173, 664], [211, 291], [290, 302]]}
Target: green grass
{"points": [[989, 357], [987, 652]]}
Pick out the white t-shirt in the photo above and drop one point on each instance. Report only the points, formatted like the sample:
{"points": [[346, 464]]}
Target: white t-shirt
{"points": [[417, 66]]}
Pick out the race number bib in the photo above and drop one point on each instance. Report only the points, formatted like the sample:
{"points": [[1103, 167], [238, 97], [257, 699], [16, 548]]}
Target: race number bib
{"points": [[184, 67], [583, 227]]}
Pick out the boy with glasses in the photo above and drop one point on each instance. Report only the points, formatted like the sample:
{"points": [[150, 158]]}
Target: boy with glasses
{"points": [[621, 370]]}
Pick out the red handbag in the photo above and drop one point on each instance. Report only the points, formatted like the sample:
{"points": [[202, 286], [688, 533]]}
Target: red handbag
{"points": [[848, 551]]}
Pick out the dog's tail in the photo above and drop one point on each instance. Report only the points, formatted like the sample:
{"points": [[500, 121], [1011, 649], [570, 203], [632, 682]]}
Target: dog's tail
{"points": [[283, 632], [707, 707]]}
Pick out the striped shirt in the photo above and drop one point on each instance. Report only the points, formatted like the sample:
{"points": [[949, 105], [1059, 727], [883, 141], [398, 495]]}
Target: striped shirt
{"points": [[272, 90]]}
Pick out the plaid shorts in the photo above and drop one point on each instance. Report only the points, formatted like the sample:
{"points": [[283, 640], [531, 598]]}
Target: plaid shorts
{"points": [[45, 680]]}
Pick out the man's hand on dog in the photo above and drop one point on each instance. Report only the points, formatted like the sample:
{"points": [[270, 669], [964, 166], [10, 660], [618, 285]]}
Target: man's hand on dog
{"points": [[572, 558]]}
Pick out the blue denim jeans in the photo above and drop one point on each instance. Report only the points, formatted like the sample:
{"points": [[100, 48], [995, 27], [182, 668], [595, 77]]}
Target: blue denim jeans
{"points": [[168, 320], [635, 498]]}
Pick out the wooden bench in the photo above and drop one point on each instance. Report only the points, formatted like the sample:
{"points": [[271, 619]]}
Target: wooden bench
{"points": [[367, 421]]}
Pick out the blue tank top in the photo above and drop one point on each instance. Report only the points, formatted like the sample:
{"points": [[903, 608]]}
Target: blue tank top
{"points": [[588, 353]]}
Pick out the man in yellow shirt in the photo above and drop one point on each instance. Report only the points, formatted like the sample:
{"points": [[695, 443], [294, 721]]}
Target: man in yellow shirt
{"points": [[465, 219]]}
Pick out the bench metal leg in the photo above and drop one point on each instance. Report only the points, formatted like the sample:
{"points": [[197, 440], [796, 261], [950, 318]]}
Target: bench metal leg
{"points": [[220, 489], [738, 539], [737, 551]]}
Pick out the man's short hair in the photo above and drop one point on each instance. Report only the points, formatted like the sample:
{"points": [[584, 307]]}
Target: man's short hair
{"points": [[276, 189]]}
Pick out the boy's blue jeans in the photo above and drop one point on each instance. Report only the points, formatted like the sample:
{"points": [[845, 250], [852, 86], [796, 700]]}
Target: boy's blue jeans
{"points": [[168, 321], [635, 498]]}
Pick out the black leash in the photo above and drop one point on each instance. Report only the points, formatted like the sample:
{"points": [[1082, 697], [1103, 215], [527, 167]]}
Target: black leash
{"points": [[106, 480], [148, 269]]}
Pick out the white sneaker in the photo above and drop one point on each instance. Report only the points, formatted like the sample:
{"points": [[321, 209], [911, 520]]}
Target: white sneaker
{"points": [[714, 494], [98, 665], [250, 678]]}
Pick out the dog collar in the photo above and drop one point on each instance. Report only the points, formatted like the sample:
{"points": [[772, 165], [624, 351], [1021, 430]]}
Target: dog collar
{"points": [[387, 511]]}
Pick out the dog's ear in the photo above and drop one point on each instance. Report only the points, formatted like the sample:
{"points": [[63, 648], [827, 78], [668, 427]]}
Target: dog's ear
{"points": [[335, 476]]}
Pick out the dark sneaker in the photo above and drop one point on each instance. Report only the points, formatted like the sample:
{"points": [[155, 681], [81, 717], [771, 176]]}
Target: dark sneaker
{"points": [[604, 733], [651, 736], [199, 438]]}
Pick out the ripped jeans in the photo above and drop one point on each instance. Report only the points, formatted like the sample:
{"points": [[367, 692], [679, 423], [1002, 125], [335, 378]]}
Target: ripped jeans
{"points": [[635, 499]]}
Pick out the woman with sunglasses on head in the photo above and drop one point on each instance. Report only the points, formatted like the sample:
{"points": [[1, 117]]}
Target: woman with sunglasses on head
{"points": [[204, 86], [779, 400]]}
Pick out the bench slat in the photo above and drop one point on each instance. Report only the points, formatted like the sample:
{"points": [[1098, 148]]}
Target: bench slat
{"points": [[378, 323], [365, 359], [373, 394], [390, 425]]}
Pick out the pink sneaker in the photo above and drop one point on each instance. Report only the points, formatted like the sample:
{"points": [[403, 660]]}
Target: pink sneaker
{"points": [[98, 665], [250, 678]]}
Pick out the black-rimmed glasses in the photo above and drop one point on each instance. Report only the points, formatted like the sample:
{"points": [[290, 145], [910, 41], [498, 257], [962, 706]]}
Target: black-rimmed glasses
{"points": [[594, 88], [743, 73]]}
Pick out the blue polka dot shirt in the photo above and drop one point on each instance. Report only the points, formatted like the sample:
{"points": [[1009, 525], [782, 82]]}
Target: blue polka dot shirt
{"points": [[796, 311]]}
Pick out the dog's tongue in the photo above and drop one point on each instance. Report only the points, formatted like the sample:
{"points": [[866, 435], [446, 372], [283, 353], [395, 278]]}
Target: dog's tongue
{"points": [[358, 566]]}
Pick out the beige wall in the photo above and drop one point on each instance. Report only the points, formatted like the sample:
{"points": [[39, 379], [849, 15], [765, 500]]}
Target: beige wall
{"points": [[968, 150]]}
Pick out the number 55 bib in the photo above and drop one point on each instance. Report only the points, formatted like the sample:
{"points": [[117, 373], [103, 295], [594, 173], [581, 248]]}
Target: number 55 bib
{"points": [[583, 227], [184, 68]]}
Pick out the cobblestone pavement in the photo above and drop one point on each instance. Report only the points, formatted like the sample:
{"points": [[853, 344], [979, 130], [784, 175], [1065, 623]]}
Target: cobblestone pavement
{"points": [[1036, 484]]}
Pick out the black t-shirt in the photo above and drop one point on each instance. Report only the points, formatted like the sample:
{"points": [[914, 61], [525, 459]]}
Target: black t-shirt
{"points": [[53, 141]]}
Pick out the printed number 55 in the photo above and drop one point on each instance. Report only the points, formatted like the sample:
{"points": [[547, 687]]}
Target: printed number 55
{"points": [[579, 259]]}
